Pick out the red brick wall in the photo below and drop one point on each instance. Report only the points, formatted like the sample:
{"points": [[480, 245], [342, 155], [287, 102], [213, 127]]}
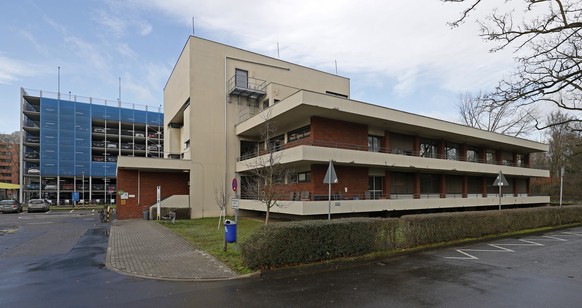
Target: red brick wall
{"points": [[323, 129], [354, 178], [172, 183]]}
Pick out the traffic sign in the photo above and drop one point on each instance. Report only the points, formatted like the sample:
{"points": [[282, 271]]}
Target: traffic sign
{"points": [[500, 180], [234, 203], [330, 175], [234, 184]]}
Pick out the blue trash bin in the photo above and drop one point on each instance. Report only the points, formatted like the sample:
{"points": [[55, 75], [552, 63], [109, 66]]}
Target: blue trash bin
{"points": [[230, 231]]}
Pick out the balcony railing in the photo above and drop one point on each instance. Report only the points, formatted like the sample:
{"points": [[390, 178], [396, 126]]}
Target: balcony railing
{"points": [[306, 196], [365, 148], [246, 87]]}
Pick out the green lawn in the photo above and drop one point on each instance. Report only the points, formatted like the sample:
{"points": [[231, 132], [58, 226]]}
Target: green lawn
{"points": [[204, 234]]}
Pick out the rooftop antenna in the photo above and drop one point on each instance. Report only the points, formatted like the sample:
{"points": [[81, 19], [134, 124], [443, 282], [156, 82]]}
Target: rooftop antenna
{"points": [[335, 67], [193, 28], [278, 57]]}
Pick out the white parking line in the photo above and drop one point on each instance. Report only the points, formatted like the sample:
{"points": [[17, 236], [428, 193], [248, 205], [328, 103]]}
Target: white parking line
{"points": [[500, 246], [529, 243], [469, 257], [553, 238], [572, 233]]}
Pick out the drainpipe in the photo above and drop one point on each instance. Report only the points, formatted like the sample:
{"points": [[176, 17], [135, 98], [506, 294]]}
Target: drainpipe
{"points": [[225, 126]]}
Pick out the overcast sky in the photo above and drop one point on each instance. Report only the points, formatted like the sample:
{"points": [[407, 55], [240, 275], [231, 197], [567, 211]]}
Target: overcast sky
{"points": [[398, 54]]}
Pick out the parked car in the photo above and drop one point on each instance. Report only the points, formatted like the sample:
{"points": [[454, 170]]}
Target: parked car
{"points": [[99, 144], [31, 155], [98, 158], [127, 146], [112, 145], [33, 139], [10, 206], [35, 205], [139, 147], [139, 134], [32, 186], [50, 187], [153, 147], [33, 170], [111, 158], [99, 130]]}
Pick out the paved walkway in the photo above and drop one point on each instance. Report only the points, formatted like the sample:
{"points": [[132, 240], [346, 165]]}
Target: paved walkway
{"points": [[144, 248]]}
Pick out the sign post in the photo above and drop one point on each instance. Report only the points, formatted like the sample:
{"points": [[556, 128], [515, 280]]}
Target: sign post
{"points": [[235, 207], [330, 177], [500, 181]]}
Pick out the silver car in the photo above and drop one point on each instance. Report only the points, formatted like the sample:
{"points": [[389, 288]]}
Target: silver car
{"points": [[38, 205], [10, 206]]}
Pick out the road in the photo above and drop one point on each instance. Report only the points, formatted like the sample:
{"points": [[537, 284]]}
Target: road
{"points": [[57, 260]]}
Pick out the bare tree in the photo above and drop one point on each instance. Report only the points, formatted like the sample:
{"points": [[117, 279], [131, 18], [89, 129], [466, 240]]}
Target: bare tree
{"points": [[266, 170], [546, 36], [507, 119], [565, 151], [221, 196]]}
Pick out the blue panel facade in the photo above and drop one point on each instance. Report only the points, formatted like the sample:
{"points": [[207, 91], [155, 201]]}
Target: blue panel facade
{"points": [[66, 135]]}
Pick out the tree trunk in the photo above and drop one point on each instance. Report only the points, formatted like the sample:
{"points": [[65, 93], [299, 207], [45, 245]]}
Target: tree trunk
{"points": [[267, 215]]}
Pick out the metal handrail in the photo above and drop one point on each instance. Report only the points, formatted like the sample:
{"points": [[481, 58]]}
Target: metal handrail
{"points": [[365, 148]]}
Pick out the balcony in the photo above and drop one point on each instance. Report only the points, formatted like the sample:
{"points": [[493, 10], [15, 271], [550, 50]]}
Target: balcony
{"points": [[248, 87]]}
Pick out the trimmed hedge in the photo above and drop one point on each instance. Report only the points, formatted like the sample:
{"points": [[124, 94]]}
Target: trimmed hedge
{"points": [[312, 241], [436, 228]]}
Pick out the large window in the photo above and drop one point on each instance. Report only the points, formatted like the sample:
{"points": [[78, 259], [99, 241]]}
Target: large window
{"points": [[428, 148], [300, 133], [374, 143], [519, 160], [430, 184], [402, 183], [452, 151], [276, 143], [473, 155], [300, 177], [490, 157], [375, 187]]}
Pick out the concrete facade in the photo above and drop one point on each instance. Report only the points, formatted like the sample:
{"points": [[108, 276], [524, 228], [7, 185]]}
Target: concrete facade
{"points": [[219, 98]]}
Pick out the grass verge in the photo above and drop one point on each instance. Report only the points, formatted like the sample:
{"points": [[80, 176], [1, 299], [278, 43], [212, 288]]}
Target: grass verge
{"points": [[204, 234]]}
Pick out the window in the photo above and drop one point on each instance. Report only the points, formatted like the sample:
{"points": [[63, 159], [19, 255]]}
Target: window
{"points": [[472, 155], [300, 133], [276, 143], [300, 177], [374, 143], [376, 186], [490, 157], [451, 151], [187, 144], [519, 160], [428, 148], [241, 78], [266, 104], [430, 184]]}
